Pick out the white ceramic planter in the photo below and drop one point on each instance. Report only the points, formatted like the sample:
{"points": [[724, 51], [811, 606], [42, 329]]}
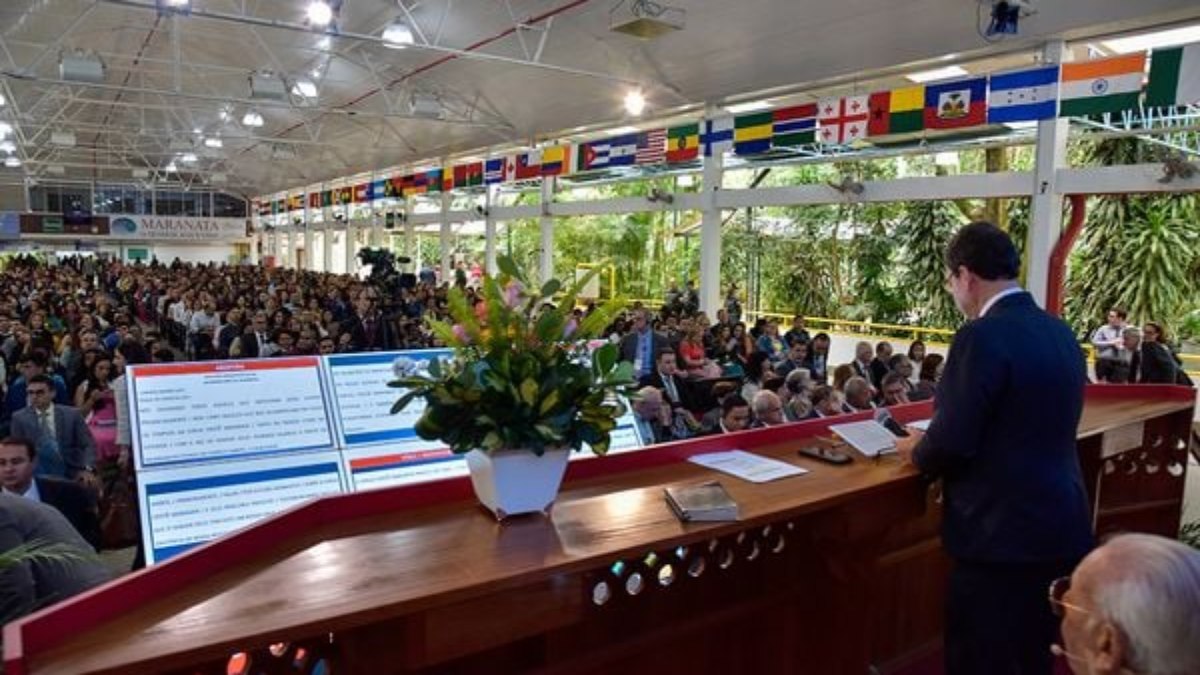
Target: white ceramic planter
{"points": [[512, 482]]}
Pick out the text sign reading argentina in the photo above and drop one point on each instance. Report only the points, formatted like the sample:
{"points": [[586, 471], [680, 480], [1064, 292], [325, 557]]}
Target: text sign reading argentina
{"points": [[172, 228]]}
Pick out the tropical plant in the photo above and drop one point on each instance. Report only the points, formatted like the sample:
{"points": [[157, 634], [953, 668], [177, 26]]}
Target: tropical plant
{"points": [[37, 551], [522, 376], [1141, 253], [923, 237]]}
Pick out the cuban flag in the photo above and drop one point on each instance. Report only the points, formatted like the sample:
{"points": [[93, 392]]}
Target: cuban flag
{"points": [[616, 151], [1023, 96]]}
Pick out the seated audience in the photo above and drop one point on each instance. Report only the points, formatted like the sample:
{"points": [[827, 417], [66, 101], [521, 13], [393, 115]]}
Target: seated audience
{"points": [[653, 417], [735, 415], [859, 394], [768, 409], [18, 464], [931, 373], [861, 365], [58, 432], [842, 375], [797, 332], [895, 389], [797, 353], [1132, 607], [827, 402], [665, 377], [42, 580], [916, 352], [771, 344], [880, 364]]}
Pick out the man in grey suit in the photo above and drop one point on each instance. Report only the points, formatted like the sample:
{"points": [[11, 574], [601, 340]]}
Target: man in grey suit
{"points": [[36, 583], [64, 443]]}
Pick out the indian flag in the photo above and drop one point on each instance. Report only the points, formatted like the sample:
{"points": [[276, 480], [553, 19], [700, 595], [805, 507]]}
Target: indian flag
{"points": [[1174, 76], [1101, 86]]}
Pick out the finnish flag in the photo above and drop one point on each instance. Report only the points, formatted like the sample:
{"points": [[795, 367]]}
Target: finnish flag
{"points": [[1023, 96]]}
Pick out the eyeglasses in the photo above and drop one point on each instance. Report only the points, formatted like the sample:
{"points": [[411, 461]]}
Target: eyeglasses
{"points": [[1058, 589]]}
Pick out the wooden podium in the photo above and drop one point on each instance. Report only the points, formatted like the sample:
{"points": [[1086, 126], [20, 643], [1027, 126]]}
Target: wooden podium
{"points": [[831, 572]]}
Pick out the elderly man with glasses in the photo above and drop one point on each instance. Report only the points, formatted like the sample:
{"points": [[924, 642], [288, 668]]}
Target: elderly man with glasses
{"points": [[1131, 607]]}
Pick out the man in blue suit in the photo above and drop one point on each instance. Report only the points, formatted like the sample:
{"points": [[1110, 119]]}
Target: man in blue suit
{"points": [[1002, 440]]}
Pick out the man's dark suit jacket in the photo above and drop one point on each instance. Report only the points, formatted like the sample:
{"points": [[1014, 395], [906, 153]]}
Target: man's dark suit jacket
{"points": [[655, 379], [879, 370], [75, 502], [1003, 439], [658, 342], [75, 442]]}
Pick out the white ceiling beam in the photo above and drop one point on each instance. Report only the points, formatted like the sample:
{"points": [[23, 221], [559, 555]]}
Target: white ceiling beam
{"points": [[1130, 179]]}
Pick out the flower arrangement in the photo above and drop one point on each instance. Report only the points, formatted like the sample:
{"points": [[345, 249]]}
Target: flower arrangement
{"points": [[521, 376]]}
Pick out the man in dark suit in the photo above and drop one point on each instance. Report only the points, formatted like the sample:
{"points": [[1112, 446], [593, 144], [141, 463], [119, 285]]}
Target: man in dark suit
{"points": [[653, 418], [36, 583], [256, 342], [817, 361], [366, 326], [18, 462], [879, 364], [642, 345], [666, 379], [57, 431], [1002, 440]]}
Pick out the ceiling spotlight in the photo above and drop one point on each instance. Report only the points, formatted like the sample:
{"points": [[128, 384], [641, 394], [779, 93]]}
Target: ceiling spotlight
{"points": [[305, 87], [397, 35], [2, 100], [211, 142], [5, 129], [12, 162], [180, 6], [7, 146], [171, 167], [197, 130], [188, 158], [252, 119], [635, 102], [224, 115], [325, 42], [320, 14]]}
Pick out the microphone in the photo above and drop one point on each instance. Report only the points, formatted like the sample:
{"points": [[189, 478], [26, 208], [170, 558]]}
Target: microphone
{"points": [[884, 416]]}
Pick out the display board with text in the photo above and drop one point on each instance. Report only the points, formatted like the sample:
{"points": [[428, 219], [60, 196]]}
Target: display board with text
{"points": [[220, 445]]}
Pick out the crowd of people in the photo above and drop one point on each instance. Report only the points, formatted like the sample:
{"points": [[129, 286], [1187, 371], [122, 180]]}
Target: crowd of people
{"points": [[1127, 354], [698, 378]]}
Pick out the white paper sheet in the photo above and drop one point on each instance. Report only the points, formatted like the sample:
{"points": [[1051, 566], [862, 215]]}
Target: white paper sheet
{"points": [[868, 437], [747, 466]]}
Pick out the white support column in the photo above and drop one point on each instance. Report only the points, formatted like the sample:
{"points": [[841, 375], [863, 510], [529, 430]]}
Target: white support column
{"points": [[489, 231], [376, 238], [546, 260], [310, 260], [327, 249], [1045, 217], [445, 242], [255, 242], [410, 233], [710, 233], [351, 248]]}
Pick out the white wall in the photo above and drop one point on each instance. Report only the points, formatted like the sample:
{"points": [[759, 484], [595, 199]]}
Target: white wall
{"points": [[188, 253]]}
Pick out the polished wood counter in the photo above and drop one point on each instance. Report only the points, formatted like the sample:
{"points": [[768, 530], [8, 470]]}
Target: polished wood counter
{"points": [[827, 572]]}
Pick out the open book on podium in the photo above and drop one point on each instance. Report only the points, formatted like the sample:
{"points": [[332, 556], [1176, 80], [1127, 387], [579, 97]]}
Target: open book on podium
{"points": [[868, 437]]}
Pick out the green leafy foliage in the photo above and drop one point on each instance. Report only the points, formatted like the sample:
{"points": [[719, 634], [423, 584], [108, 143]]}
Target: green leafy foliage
{"points": [[522, 375], [924, 236]]}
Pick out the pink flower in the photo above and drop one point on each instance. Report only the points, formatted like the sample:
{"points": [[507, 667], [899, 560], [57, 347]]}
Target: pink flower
{"points": [[570, 328], [512, 293], [460, 333]]}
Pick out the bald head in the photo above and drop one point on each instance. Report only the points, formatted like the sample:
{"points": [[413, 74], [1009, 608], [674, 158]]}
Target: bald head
{"points": [[1137, 608]]}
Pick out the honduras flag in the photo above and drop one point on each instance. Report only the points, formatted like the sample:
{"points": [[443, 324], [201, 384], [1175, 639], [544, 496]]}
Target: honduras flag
{"points": [[1023, 96]]}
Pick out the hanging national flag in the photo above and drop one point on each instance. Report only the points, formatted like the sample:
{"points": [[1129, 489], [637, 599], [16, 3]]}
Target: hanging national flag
{"points": [[362, 193], [842, 120], [493, 171], [1174, 76], [556, 160], [651, 147], [394, 187], [900, 111], [415, 184], [314, 200], [468, 175], [683, 143], [525, 165], [433, 179], [379, 189], [796, 125], [326, 198], [1023, 95], [1101, 86], [957, 104], [610, 152], [752, 133], [717, 136]]}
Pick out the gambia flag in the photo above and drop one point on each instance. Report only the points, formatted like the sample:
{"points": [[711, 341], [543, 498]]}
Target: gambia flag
{"points": [[1174, 77], [1101, 85], [899, 111], [795, 125], [683, 143]]}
